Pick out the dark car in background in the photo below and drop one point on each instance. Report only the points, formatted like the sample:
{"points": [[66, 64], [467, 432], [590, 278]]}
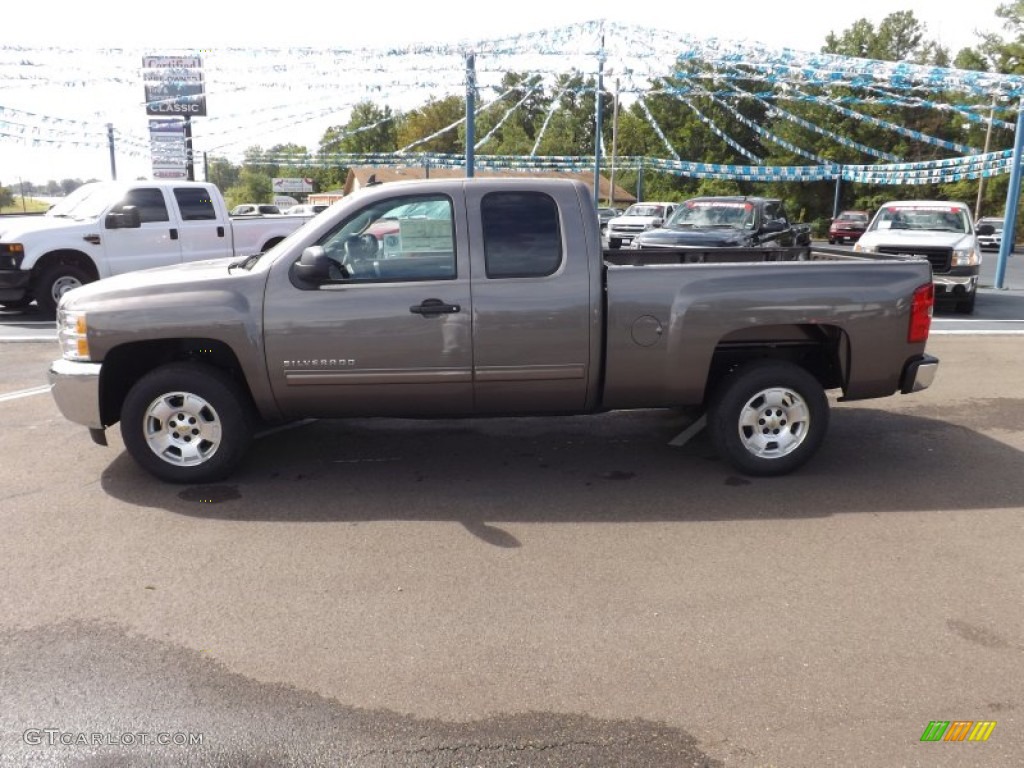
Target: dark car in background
{"points": [[848, 225]]}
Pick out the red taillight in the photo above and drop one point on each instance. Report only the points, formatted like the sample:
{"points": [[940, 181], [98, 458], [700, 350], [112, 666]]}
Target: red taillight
{"points": [[921, 314]]}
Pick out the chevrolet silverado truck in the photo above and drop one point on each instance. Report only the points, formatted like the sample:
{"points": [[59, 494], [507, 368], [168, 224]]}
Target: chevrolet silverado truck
{"points": [[637, 219], [726, 222], [477, 298], [939, 231], [106, 228]]}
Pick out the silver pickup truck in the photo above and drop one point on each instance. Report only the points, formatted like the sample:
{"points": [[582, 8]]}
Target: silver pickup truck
{"points": [[485, 297]]}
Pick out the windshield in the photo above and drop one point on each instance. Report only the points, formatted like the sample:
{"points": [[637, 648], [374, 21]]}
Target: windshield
{"points": [[734, 214], [86, 202], [644, 210], [861, 218], [932, 218]]}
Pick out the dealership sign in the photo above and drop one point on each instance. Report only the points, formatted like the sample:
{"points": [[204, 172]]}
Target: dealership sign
{"points": [[292, 185], [167, 148], [174, 86]]}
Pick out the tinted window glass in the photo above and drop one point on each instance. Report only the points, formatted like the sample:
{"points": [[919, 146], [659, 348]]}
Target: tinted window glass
{"points": [[150, 203], [195, 204], [521, 234]]}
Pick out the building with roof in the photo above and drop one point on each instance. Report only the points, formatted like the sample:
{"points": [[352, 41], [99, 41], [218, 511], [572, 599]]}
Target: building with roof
{"points": [[359, 177]]}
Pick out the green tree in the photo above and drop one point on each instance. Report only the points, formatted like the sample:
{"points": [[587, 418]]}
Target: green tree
{"points": [[439, 119], [6, 197], [222, 172], [370, 129], [254, 186]]}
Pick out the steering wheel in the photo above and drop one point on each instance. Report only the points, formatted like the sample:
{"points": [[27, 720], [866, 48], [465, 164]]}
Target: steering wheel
{"points": [[360, 248]]}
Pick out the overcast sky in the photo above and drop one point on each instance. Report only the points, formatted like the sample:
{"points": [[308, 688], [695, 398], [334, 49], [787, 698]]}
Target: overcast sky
{"points": [[173, 28]]}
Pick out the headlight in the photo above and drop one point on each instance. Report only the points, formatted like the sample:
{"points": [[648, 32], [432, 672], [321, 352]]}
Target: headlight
{"points": [[858, 248], [72, 333], [11, 255], [965, 257]]}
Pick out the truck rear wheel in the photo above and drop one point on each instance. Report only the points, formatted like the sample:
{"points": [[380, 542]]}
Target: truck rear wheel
{"points": [[186, 423], [768, 418]]}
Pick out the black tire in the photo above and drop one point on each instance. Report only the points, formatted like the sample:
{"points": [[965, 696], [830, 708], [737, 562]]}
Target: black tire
{"points": [[53, 282], [206, 429], [768, 417], [831, 241], [966, 307]]}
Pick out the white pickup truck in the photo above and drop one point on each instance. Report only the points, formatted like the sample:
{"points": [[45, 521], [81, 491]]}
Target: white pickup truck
{"points": [[106, 228]]}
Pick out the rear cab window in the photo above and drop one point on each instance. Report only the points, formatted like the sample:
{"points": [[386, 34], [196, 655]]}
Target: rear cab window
{"points": [[522, 234]]}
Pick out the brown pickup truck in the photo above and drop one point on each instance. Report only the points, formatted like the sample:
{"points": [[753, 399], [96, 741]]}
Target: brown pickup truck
{"points": [[485, 297]]}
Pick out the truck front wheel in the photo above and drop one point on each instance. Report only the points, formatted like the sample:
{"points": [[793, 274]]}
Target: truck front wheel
{"points": [[54, 282], [186, 423], [768, 418]]}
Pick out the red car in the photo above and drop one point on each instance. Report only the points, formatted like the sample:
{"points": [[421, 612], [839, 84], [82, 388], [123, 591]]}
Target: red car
{"points": [[848, 225]]}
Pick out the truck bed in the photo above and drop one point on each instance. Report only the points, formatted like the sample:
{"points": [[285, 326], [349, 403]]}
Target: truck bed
{"points": [[655, 256]]}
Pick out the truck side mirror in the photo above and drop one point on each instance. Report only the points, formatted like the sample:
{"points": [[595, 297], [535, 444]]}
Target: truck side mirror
{"points": [[985, 229], [313, 266], [126, 217], [775, 225]]}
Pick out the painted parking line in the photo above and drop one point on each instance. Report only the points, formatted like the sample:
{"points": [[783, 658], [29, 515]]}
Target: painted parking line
{"points": [[36, 339], [25, 393]]}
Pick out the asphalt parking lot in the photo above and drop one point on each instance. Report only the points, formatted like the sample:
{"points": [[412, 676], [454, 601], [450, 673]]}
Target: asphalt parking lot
{"points": [[557, 591]]}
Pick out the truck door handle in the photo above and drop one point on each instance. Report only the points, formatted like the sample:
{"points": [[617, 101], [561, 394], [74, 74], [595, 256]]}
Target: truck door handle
{"points": [[174, 234], [220, 231], [434, 307]]}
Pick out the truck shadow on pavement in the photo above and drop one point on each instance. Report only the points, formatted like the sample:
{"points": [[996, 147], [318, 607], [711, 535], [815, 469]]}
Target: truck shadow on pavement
{"points": [[615, 467]]}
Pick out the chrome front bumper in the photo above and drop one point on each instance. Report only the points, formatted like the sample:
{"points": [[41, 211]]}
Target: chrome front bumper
{"points": [[950, 283], [76, 389]]}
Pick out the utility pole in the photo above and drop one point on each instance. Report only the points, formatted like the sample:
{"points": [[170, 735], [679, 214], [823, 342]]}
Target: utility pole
{"points": [[597, 130], [981, 179], [110, 145]]}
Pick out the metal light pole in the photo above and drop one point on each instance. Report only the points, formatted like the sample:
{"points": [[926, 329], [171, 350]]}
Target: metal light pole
{"points": [[615, 138], [110, 145], [470, 109], [1012, 198]]}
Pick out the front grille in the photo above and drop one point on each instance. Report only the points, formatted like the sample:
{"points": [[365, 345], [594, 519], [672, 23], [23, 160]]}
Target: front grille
{"points": [[629, 229], [939, 258]]}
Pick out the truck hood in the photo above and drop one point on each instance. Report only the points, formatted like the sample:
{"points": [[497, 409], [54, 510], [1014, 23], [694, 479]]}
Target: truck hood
{"points": [[914, 237], [698, 237], [196, 279], [14, 230]]}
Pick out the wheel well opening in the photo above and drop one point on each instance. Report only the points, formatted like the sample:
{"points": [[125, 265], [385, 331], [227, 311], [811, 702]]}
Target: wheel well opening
{"points": [[822, 350], [125, 365], [69, 258]]}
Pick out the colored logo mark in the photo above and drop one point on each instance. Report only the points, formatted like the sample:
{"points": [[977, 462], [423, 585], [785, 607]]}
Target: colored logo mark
{"points": [[958, 730]]}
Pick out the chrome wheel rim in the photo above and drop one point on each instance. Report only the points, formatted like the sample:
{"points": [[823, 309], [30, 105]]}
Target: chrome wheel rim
{"points": [[182, 429], [774, 423], [62, 285]]}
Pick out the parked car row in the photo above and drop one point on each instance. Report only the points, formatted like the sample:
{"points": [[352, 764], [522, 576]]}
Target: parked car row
{"points": [[266, 209]]}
